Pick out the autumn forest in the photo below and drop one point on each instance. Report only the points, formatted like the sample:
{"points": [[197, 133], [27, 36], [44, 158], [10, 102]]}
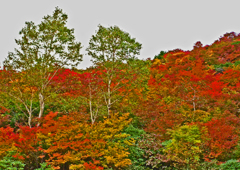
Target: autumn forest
{"points": [[177, 110]]}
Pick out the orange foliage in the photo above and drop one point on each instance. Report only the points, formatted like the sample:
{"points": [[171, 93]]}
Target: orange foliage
{"points": [[6, 141], [72, 141]]}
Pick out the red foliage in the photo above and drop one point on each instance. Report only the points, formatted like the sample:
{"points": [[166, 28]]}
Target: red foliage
{"points": [[6, 140], [223, 136], [90, 166], [28, 147], [3, 110], [67, 81], [26, 141]]}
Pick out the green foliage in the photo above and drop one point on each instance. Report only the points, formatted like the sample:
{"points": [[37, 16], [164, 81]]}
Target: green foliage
{"points": [[227, 64], [236, 63], [167, 142], [136, 122], [185, 147], [209, 165], [113, 52], [112, 45], [231, 165], [136, 153], [134, 132], [13, 111], [45, 45], [66, 104], [45, 166], [9, 163], [236, 43], [42, 51], [236, 152], [160, 55]]}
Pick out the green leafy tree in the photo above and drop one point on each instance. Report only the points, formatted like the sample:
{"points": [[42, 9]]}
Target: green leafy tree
{"points": [[113, 51], [186, 146], [43, 50]]}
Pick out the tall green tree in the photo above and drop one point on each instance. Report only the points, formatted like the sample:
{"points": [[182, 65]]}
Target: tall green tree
{"points": [[42, 50], [114, 51]]}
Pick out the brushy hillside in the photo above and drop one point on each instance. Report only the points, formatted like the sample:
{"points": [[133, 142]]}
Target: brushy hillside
{"points": [[180, 110]]}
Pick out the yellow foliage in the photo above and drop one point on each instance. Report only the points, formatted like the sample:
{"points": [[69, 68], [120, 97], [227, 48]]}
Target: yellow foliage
{"points": [[178, 53], [185, 146], [210, 67], [236, 67], [77, 167], [195, 116], [157, 62], [115, 153], [74, 142]]}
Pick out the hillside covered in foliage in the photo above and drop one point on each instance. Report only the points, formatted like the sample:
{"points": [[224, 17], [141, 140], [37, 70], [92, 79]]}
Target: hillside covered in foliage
{"points": [[178, 110]]}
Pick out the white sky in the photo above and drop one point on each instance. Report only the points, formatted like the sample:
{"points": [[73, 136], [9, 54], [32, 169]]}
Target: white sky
{"points": [[157, 24]]}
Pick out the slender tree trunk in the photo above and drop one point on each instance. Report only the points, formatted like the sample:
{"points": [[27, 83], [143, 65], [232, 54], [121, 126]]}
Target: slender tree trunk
{"points": [[109, 97], [30, 119], [90, 105], [42, 105], [91, 112]]}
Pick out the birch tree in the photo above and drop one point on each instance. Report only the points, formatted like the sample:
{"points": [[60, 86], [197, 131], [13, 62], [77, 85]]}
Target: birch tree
{"points": [[42, 50], [114, 51]]}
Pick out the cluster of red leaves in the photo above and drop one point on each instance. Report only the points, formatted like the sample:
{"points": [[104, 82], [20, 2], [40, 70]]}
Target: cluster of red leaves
{"points": [[90, 166], [6, 140], [66, 81], [3, 110], [223, 134]]}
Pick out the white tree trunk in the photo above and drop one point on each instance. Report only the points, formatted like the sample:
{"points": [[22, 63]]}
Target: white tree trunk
{"points": [[109, 97], [42, 105]]}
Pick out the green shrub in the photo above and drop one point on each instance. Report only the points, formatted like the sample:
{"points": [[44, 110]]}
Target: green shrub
{"points": [[136, 153], [45, 166], [209, 165], [231, 165], [9, 163]]}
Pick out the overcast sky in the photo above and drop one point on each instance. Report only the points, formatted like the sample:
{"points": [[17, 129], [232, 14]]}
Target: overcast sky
{"points": [[157, 24]]}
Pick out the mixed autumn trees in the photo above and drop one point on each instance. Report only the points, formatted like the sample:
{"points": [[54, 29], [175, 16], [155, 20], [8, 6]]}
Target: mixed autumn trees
{"points": [[184, 106], [191, 96]]}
